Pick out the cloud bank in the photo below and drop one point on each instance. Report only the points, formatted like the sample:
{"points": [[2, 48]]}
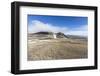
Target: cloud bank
{"points": [[37, 26]]}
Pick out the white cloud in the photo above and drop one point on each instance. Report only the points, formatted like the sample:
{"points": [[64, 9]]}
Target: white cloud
{"points": [[83, 31], [37, 26]]}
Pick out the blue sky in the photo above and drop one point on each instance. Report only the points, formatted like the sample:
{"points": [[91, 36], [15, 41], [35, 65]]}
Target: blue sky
{"points": [[67, 24]]}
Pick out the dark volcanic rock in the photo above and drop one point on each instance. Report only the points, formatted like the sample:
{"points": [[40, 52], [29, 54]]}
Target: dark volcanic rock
{"points": [[61, 35]]}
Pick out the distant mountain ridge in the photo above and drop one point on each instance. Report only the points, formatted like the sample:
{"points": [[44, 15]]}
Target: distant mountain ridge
{"points": [[51, 35]]}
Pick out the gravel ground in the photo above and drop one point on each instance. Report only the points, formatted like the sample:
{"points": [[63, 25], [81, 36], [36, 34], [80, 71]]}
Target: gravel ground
{"points": [[52, 49]]}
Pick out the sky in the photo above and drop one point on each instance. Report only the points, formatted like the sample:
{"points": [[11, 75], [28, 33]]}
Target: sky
{"points": [[72, 25]]}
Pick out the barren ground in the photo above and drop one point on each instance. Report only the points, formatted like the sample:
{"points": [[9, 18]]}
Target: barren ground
{"points": [[52, 49]]}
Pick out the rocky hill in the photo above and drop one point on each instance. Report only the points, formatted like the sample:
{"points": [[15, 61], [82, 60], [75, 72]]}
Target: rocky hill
{"points": [[51, 35]]}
